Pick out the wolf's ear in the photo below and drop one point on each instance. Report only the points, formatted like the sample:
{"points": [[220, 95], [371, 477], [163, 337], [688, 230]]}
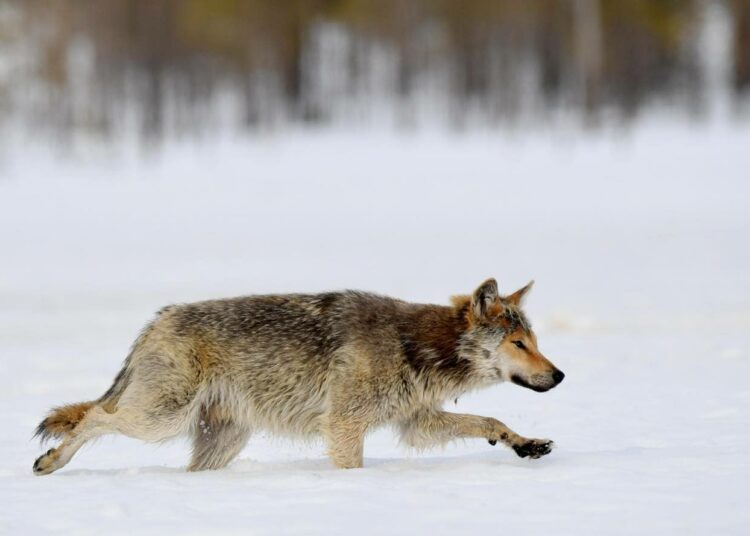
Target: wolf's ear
{"points": [[517, 297], [484, 297]]}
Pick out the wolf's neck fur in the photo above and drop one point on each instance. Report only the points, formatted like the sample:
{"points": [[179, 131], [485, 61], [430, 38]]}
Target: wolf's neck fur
{"points": [[432, 340]]}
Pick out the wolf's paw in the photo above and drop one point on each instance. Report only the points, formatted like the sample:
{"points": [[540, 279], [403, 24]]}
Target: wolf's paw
{"points": [[46, 463], [534, 448]]}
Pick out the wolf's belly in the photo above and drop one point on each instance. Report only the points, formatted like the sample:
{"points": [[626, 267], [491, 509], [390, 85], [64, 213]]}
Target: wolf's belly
{"points": [[283, 398]]}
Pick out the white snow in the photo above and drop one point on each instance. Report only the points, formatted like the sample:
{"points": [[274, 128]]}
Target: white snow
{"points": [[638, 243]]}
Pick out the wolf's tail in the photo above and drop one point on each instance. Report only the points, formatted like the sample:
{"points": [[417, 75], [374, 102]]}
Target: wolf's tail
{"points": [[62, 420]]}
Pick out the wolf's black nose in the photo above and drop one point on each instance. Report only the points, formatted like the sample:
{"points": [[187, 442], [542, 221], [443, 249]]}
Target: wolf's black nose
{"points": [[558, 376]]}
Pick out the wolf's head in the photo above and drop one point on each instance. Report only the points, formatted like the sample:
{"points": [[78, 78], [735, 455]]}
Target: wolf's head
{"points": [[500, 341]]}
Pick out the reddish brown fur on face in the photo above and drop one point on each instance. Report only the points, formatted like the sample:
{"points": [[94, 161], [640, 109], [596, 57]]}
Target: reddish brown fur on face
{"points": [[62, 420], [505, 323], [533, 360]]}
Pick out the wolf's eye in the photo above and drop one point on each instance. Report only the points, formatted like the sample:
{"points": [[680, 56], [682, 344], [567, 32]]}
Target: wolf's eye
{"points": [[520, 345]]}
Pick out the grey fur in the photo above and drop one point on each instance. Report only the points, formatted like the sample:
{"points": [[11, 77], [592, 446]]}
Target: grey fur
{"points": [[333, 365]]}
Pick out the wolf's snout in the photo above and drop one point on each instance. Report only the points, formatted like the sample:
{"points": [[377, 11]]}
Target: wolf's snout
{"points": [[558, 376]]}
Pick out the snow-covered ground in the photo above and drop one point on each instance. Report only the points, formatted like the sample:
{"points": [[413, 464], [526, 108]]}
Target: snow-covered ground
{"points": [[638, 243]]}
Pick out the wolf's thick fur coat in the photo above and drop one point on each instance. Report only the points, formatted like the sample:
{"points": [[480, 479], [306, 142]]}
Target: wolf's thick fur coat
{"points": [[333, 365]]}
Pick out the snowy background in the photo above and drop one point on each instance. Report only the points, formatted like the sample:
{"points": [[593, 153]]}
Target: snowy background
{"points": [[638, 244], [636, 235]]}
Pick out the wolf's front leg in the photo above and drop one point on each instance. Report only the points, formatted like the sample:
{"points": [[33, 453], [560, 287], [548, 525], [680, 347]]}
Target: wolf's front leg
{"points": [[345, 437], [427, 428]]}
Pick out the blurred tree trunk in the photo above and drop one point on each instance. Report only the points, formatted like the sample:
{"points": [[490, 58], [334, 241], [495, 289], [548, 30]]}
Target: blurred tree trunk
{"points": [[587, 21], [741, 12]]}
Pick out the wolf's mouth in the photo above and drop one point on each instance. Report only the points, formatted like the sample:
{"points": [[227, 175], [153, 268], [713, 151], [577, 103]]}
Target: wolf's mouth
{"points": [[518, 380]]}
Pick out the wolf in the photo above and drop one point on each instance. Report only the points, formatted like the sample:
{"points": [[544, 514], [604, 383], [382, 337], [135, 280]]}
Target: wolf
{"points": [[333, 365]]}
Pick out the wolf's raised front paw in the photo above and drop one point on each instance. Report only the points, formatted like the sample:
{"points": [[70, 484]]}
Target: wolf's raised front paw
{"points": [[46, 463], [534, 448]]}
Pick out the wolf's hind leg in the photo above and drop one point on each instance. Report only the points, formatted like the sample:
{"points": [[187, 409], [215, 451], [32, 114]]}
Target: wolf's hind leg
{"points": [[146, 411], [217, 438], [95, 423], [438, 427]]}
